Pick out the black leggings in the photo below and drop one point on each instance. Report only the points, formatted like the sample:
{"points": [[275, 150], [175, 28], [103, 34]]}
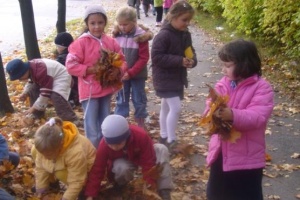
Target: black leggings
{"points": [[159, 13], [234, 185]]}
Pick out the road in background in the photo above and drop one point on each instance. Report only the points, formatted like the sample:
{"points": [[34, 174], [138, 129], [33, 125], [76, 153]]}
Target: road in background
{"points": [[45, 15]]}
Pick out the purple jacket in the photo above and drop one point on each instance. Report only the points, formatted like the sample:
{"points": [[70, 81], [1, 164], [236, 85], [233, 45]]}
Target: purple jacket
{"points": [[252, 104]]}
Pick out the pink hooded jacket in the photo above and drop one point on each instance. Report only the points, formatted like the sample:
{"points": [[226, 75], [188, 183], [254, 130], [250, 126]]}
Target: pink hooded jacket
{"points": [[252, 104], [84, 52]]}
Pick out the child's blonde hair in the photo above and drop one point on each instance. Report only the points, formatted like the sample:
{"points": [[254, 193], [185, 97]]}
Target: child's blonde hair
{"points": [[49, 136], [179, 8], [127, 13]]}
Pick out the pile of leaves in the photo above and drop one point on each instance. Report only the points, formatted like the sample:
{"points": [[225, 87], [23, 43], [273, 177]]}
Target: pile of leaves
{"points": [[214, 124], [108, 69]]}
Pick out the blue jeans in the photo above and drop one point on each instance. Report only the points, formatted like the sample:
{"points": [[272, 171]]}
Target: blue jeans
{"points": [[135, 87], [14, 158], [95, 111], [5, 195]]}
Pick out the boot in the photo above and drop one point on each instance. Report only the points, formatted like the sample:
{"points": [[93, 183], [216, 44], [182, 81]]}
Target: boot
{"points": [[140, 122], [165, 194]]}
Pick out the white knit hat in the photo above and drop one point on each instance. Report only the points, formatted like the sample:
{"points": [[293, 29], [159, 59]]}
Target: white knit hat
{"points": [[92, 9], [115, 129]]}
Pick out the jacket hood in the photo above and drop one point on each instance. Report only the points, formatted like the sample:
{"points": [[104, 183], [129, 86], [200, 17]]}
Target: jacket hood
{"points": [[70, 132]]}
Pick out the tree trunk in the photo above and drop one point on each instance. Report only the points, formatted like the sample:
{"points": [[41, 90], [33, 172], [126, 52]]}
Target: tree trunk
{"points": [[61, 16], [31, 43], [5, 104]]}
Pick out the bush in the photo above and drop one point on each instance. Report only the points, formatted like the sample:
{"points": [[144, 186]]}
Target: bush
{"points": [[281, 24], [213, 7], [244, 15]]}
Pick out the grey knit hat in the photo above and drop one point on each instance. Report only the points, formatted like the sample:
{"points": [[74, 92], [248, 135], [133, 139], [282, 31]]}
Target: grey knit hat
{"points": [[93, 9], [115, 129]]}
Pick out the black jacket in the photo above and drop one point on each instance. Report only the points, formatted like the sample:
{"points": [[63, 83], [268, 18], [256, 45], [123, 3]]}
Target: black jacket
{"points": [[167, 54]]}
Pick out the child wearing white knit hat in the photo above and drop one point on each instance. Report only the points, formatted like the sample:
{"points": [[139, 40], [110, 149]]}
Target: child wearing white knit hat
{"points": [[84, 54], [123, 148]]}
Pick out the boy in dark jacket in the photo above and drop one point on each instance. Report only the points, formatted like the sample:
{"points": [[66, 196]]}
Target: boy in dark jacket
{"points": [[62, 42]]}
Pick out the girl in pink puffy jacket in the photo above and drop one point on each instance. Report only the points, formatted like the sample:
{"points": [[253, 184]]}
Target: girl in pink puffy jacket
{"points": [[84, 53], [236, 169]]}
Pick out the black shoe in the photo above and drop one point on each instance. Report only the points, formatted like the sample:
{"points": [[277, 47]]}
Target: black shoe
{"points": [[172, 146], [165, 194], [55, 186], [163, 140]]}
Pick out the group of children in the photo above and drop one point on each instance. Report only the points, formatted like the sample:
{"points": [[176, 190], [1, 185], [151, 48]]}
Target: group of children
{"points": [[116, 148]]}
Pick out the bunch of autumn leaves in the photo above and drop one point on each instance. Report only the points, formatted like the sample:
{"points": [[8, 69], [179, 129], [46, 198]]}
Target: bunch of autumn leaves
{"points": [[108, 69], [213, 123]]}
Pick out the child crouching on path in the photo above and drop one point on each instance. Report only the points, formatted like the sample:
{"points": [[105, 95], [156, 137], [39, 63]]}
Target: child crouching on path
{"points": [[236, 169], [84, 54], [61, 153], [172, 54], [137, 56], [124, 148]]}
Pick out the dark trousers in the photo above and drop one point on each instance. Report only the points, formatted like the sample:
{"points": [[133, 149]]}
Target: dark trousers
{"points": [[62, 107], [234, 185], [159, 13]]}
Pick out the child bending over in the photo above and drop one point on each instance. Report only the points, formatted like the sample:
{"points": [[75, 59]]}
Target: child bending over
{"points": [[61, 153], [123, 149]]}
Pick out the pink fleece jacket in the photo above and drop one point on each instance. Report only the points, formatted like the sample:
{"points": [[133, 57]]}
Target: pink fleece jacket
{"points": [[84, 53], [252, 104]]}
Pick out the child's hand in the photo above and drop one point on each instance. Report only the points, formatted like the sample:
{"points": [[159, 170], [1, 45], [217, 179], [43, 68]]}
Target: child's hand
{"points": [[125, 77], [91, 70], [23, 97], [225, 114], [30, 110], [187, 62]]}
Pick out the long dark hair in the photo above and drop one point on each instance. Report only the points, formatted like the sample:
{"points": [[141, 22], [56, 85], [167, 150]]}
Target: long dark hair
{"points": [[245, 56]]}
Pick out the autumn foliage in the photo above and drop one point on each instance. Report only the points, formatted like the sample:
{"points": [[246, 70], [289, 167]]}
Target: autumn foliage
{"points": [[215, 124], [108, 69]]}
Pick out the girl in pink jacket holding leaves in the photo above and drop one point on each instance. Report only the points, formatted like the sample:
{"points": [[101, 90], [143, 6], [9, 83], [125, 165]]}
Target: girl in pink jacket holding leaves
{"points": [[84, 53], [236, 168]]}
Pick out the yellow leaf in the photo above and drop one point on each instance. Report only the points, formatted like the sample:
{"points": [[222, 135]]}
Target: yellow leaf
{"points": [[188, 52]]}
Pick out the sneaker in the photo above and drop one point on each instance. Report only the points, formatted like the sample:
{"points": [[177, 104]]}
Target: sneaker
{"points": [[172, 146], [165, 194], [162, 140]]}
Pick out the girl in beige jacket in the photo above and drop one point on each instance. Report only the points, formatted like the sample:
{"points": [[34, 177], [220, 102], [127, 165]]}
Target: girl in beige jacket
{"points": [[61, 153]]}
